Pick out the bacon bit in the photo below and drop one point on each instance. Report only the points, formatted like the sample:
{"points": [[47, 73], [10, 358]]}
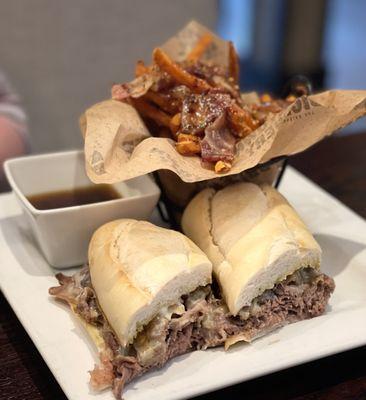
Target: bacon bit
{"points": [[199, 110], [136, 88], [218, 143]]}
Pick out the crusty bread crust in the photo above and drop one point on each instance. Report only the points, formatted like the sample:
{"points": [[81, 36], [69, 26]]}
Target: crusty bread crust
{"points": [[138, 268], [253, 237]]}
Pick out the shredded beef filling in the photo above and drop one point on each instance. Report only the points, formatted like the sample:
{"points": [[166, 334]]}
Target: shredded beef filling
{"points": [[200, 321]]}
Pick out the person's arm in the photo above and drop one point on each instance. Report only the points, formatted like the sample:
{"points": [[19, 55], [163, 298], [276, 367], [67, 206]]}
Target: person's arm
{"points": [[13, 127], [12, 142]]}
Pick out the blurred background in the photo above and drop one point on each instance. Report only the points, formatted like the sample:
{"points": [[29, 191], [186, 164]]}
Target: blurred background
{"points": [[61, 57]]}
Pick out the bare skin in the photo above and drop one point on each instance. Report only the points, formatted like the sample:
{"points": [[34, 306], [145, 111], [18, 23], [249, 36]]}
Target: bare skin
{"points": [[11, 142]]}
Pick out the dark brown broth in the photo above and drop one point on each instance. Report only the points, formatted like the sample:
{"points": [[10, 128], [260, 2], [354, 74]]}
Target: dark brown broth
{"points": [[73, 197]]}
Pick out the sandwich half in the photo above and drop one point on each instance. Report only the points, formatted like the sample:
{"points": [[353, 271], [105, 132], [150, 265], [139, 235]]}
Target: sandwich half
{"points": [[144, 298], [264, 258]]}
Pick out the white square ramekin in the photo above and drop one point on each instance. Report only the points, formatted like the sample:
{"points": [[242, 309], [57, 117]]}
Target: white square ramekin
{"points": [[63, 234]]}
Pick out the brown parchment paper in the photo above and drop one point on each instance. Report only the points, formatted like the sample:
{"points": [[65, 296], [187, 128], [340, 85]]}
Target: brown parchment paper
{"points": [[119, 147]]}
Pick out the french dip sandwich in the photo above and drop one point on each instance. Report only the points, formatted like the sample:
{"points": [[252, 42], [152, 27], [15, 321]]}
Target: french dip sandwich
{"points": [[146, 295], [265, 260]]}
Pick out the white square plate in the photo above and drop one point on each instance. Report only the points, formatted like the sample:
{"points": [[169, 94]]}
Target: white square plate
{"points": [[25, 278]]}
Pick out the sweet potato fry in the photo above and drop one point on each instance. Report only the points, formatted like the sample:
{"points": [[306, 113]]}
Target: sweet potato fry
{"points": [[241, 121], [175, 122], [166, 64], [162, 101], [233, 63], [200, 47], [141, 68], [148, 110]]}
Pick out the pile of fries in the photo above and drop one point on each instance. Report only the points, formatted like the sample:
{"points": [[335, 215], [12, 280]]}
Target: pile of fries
{"points": [[196, 104]]}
